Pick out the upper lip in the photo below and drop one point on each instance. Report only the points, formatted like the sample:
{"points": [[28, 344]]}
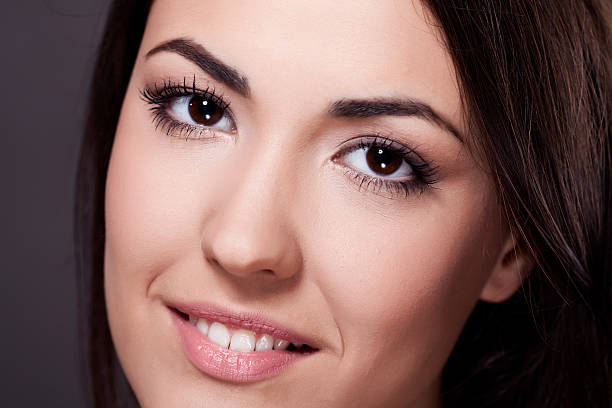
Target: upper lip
{"points": [[242, 320]]}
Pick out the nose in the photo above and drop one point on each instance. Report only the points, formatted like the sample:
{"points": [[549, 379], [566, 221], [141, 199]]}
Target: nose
{"points": [[249, 233]]}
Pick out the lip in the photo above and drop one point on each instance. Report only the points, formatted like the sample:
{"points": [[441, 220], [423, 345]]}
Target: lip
{"points": [[230, 365]]}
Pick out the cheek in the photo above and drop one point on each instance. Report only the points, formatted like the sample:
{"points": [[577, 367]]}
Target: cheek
{"points": [[137, 198], [151, 222], [402, 285]]}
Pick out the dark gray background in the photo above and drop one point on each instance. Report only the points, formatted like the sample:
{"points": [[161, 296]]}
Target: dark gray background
{"points": [[47, 57]]}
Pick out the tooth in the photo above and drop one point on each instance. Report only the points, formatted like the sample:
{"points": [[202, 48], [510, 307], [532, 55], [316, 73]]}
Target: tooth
{"points": [[265, 342], [297, 345], [243, 340], [193, 320], [202, 326], [218, 334], [280, 344]]}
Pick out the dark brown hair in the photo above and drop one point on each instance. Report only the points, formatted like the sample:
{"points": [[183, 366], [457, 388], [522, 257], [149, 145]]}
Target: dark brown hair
{"points": [[535, 78]]}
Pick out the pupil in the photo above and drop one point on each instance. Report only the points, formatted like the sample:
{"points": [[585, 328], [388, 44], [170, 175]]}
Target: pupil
{"points": [[383, 161], [204, 111]]}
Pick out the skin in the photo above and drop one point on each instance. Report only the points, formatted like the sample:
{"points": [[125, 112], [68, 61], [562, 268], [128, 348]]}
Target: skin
{"points": [[262, 220]]}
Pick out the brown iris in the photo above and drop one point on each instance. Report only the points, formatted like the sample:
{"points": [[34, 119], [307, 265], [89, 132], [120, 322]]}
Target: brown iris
{"points": [[383, 161], [204, 111]]}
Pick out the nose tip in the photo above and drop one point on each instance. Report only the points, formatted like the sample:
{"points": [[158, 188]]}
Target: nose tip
{"points": [[236, 259], [248, 254]]}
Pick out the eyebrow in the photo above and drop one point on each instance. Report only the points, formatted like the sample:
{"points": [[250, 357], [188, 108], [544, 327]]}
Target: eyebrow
{"points": [[343, 108], [208, 63], [366, 108]]}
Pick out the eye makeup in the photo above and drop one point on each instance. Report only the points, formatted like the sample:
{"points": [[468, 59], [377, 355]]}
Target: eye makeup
{"points": [[385, 158], [202, 110], [375, 163]]}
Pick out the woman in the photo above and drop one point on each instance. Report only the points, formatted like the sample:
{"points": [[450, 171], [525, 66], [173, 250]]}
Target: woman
{"points": [[395, 204]]}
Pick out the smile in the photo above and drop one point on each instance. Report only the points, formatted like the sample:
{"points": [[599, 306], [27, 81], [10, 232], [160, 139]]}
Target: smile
{"points": [[236, 347], [241, 339]]}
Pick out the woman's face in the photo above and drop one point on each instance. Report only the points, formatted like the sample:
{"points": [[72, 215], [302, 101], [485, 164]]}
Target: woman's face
{"points": [[332, 203]]}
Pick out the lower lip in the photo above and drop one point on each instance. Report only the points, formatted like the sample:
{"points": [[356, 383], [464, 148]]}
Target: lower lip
{"points": [[230, 365]]}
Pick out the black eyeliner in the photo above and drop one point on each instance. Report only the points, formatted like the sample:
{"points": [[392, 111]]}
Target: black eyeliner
{"points": [[159, 97]]}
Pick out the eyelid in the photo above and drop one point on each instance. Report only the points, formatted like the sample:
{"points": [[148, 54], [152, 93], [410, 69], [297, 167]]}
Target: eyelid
{"points": [[159, 99], [368, 140], [171, 89], [425, 171]]}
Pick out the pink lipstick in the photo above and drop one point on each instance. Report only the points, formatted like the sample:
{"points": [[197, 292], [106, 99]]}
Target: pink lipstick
{"points": [[236, 347]]}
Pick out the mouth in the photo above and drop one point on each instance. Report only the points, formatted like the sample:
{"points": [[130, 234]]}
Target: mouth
{"points": [[237, 347], [237, 337]]}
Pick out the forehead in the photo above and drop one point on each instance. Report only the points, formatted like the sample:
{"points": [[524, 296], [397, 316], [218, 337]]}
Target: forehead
{"points": [[335, 49]]}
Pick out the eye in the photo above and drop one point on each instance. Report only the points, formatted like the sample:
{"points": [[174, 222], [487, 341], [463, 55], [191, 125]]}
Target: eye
{"points": [[379, 161], [201, 110], [187, 111], [376, 163]]}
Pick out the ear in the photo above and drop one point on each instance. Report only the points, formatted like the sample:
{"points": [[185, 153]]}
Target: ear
{"points": [[511, 268]]}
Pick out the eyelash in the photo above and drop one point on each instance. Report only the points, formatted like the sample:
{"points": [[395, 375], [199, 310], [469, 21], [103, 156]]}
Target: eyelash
{"points": [[425, 173], [159, 98]]}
